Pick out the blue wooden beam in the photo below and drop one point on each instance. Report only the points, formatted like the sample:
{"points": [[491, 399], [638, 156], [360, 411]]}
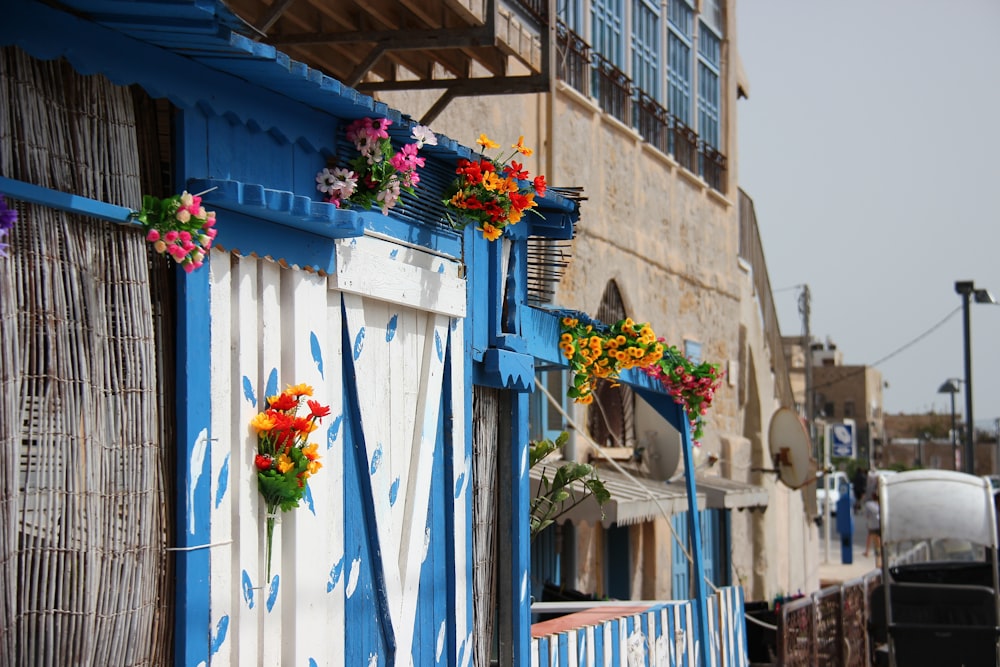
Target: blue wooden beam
{"points": [[64, 201], [674, 413]]}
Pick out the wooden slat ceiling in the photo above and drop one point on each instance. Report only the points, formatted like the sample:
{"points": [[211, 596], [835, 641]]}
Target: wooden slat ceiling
{"points": [[464, 47]]}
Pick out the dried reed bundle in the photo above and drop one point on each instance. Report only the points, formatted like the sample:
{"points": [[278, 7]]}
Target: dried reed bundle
{"points": [[486, 409], [82, 551]]}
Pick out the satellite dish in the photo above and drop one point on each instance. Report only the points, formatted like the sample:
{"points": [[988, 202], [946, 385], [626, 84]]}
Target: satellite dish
{"points": [[662, 453], [790, 449]]}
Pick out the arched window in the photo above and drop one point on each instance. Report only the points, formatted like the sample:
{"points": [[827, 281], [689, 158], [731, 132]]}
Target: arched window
{"points": [[611, 417]]}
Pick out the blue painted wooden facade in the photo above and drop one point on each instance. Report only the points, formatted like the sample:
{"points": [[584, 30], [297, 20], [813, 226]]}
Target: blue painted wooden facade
{"points": [[374, 569]]}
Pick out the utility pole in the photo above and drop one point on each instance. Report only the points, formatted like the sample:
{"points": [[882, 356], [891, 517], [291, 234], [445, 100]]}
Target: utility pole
{"points": [[804, 306]]}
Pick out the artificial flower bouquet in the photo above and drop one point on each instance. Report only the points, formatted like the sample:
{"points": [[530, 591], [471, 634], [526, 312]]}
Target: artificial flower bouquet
{"points": [[285, 458], [8, 217], [377, 176], [179, 226], [597, 351], [692, 385], [489, 191]]}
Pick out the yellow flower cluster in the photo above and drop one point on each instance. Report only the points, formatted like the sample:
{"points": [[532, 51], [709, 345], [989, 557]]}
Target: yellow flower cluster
{"points": [[595, 354]]}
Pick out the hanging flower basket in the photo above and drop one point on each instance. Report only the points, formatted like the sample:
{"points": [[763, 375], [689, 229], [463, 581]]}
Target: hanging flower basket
{"points": [[597, 351], [285, 458], [179, 227], [692, 385], [493, 193], [376, 177]]}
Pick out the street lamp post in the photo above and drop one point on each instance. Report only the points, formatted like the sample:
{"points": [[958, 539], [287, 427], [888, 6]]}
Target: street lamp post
{"points": [[950, 386], [967, 289]]}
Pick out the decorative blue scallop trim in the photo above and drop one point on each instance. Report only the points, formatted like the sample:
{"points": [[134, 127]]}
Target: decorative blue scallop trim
{"points": [[279, 206]]}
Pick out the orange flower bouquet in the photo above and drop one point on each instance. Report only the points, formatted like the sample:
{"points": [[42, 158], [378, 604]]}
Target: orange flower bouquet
{"points": [[285, 458], [596, 351], [489, 192]]}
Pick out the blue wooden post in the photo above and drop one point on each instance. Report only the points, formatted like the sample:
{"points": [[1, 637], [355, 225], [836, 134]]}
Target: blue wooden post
{"points": [[519, 530], [193, 623], [674, 414], [192, 614], [694, 528]]}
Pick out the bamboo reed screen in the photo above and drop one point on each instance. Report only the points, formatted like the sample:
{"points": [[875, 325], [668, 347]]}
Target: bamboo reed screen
{"points": [[83, 567], [486, 406]]}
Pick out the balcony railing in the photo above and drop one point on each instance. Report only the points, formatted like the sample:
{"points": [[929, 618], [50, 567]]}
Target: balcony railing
{"points": [[591, 73], [572, 58], [539, 9], [685, 146], [653, 122], [613, 88], [713, 168]]}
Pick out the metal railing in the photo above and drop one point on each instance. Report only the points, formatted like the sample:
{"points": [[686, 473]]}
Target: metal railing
{"points": [[752, 252], [713, 168], [652, 121], [613, 88], [538, 9], [685, 146], [828, 628], [572, 58], [591, 73]]}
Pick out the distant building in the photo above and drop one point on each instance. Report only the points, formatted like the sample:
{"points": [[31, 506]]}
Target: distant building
{"points": [[840, 392]]}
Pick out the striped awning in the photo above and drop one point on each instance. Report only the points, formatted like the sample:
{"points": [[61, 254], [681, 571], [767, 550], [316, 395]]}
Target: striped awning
{"points": [[633, 500], [722, 493]]}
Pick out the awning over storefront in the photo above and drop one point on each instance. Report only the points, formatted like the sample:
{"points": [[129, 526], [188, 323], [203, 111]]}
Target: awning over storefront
{"points": [[722, 493], [632, 500], [640, 499]]}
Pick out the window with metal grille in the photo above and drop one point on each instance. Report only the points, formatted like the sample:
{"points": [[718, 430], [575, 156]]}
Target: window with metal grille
{"points": [[709, 49], [570, 12], [680, 37], [606, 30], [646, 47], [611, 417]]}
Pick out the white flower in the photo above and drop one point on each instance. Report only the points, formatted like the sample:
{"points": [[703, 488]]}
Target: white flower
{"points": [[424, 136], [325, 181], [345, 182]]}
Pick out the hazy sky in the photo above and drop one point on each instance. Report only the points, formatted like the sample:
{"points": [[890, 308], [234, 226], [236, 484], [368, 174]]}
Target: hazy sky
{"points": [[870, 145]]}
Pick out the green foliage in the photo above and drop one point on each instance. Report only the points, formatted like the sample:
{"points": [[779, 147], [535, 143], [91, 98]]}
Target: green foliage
{"points": [[571, 484]]}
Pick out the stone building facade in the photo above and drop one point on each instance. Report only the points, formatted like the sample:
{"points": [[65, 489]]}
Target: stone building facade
{"points": [[660, 228]]}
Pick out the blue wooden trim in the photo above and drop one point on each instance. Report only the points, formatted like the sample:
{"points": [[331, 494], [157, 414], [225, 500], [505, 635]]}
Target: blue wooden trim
{"points": [[280, 207], [664, 405], [65, 201], [501, 368], [125, 60], [254, 236], [352, 408], [438, 239], [518, 530], [192, 616]]}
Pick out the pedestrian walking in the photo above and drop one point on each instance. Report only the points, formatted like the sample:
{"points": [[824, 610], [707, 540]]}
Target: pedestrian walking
{"points": [[874, 527]]}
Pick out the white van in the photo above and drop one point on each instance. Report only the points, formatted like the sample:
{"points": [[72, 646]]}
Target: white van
{"points": [[837, 485]]}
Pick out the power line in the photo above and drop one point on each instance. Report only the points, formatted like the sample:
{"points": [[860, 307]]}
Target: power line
{"points": [[892, 354]]}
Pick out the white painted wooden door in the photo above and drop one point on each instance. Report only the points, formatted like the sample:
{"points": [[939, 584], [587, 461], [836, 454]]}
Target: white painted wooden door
{"points": [[371, 568]]}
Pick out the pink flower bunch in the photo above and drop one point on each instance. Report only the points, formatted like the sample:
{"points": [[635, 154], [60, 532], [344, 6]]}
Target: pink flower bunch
{"points": [[379, 174], [179, 226], [8, 217], [691, 385]]}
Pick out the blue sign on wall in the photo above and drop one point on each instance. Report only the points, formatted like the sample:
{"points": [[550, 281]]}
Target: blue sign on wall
{"points": [[842, 440]]}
